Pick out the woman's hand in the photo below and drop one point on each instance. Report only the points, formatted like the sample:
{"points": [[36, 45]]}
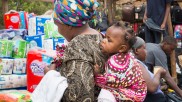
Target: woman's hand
{"points": [[96, 69], [50, 67]]}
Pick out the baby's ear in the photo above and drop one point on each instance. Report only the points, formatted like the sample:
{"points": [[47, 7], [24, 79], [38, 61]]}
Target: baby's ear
{"points": [[123, 48]]}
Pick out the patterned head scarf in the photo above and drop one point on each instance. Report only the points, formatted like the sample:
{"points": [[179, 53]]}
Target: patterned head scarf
{"points": [[74, 12]]}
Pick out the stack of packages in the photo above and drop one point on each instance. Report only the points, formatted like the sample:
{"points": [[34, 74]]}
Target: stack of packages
{"points": [[13, 50], [43, 33], [27, 45]]}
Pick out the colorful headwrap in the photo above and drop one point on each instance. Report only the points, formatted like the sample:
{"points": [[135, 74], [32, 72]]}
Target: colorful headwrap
{"points": [[74, 12]]}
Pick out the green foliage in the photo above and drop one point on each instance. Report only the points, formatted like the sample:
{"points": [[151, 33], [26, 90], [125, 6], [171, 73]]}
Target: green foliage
{"points": [[1, 16], [36, 7]]}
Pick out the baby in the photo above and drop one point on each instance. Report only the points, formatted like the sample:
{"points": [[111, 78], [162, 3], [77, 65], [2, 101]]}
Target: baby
{"points": [[122, 75]]}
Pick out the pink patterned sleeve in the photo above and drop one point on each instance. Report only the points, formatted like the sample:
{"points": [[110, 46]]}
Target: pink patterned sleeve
{"points": [[100, 79]]}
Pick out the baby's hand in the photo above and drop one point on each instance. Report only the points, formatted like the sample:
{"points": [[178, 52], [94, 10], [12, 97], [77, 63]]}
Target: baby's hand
{"points": [[96, 69]]}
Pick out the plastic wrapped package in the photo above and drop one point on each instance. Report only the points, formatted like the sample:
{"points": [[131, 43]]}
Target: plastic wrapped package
{"points": [[37, 59]]}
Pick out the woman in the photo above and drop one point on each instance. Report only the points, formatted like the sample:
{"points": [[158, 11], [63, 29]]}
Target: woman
{"points": [[82, 52]]}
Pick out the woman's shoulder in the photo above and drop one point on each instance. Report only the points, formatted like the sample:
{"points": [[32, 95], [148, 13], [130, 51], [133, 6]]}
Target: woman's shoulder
{"points": [[85, 47], [86, 36], [86, 39], [85, 44]]}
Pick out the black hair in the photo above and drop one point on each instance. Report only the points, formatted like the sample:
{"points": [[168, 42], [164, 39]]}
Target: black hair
{"points": [[130, 37], [170, 40]]}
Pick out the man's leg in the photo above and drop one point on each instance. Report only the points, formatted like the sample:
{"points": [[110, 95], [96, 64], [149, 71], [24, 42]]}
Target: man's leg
{"points": [[148, 35], [157, 37]]}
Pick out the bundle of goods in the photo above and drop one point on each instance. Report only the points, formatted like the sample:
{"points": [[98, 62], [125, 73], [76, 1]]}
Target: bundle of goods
{"points": [[13, 81], [27, 44], [13, 33], [15, 96], [37, 59], [16, 20]]}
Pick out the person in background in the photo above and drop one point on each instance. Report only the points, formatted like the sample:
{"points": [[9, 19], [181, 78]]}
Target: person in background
{"points": [[100, 22], [158, 11], [122, 75], [154, 93], [157, 56], [82, 51]]}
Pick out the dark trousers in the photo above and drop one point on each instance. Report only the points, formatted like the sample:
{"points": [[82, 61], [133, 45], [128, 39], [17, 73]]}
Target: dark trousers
{"points": [[152, 36], [155, 98]]}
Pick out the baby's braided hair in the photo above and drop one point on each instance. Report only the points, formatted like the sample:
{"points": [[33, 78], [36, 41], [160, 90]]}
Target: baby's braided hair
{"points": [[130, 37]]}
